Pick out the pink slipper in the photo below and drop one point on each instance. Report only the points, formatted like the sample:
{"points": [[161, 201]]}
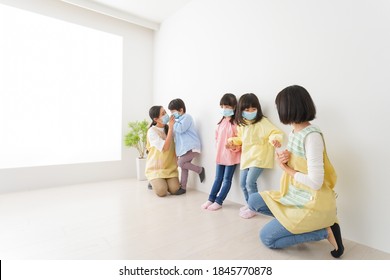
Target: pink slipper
{"points": [[247, 214], [214, 206], [206, 204]]}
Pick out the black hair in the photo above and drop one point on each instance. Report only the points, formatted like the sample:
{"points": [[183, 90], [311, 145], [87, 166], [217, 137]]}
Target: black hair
{"points": [[295, 105], [230, 100], [177, 104], [154, 112], [246, 101]]}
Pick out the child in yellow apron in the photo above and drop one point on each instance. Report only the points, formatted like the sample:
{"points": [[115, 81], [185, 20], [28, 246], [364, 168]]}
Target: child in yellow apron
{"points": [[255, 137], [305, 206]]}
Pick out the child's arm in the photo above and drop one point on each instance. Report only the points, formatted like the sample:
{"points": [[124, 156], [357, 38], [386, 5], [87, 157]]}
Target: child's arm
{"points": [[276, 138], [275, 135], [183, 124], [236, 141]]}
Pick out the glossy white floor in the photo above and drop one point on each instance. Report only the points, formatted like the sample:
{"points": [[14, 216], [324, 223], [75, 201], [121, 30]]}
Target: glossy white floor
{"points": [[124, 220]]}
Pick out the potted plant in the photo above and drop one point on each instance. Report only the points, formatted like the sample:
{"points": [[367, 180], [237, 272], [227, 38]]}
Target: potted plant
{"points": [[136, 138]]}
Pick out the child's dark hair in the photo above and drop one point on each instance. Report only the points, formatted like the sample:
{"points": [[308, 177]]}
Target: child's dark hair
{"points": [[295, 105], [230, 100], [154, 112], [177, 104], [246, 101]]}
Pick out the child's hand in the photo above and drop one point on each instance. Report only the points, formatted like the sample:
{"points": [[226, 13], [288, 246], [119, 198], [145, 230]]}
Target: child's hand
{"points": [[235, 141], [229, 145], [276, 143], [235, 149]]}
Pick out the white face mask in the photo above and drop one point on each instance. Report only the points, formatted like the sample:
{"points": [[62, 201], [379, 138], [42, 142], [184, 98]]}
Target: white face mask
{"points": [[165, 119], [176, 114], [226, 112], [249, 115]]}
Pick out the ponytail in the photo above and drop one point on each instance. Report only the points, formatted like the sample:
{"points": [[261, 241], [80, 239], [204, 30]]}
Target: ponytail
{"points": [[154, 112]]}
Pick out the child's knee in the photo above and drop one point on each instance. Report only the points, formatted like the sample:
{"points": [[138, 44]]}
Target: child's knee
{"points": [[253, 200], [181, 163], [252, 188]]}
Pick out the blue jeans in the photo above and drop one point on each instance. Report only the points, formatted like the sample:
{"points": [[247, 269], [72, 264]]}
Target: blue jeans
{"points": [[248, 180], [274, 235], [222, 183]]}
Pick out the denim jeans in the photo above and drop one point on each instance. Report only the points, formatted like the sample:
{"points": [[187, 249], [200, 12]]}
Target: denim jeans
{"points": [[248, 180], [274, 235], [222, 183]]}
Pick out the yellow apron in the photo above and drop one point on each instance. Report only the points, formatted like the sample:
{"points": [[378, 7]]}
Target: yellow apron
{"points": [[298, 207], [161, 164]]}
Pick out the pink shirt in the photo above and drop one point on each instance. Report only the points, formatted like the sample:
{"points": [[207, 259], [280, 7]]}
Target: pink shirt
{"points": [[224, 131]]}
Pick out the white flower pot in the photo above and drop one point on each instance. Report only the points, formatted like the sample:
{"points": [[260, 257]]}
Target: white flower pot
{"points": [[141, 164]]}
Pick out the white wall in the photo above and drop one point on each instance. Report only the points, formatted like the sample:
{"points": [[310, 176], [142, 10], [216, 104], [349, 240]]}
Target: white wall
{"points": [[338, 50], [137, 97]]}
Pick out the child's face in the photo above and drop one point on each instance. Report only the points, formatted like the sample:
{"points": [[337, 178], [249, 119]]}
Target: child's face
{"points": [[227, 107], [227, 111], [250, 109], [180, 111], [177, 113], [249, 113]]}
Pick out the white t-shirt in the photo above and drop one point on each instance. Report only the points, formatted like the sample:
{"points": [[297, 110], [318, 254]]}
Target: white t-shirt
{"points": [[314, 147], [154, 138]]}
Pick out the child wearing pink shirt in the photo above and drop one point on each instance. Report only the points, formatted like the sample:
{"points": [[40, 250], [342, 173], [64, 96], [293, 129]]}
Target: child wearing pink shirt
{"points": [[227, 159]]}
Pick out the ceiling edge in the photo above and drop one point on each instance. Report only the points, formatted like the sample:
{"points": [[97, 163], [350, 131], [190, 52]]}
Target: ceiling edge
{"points": [[102, 9]]}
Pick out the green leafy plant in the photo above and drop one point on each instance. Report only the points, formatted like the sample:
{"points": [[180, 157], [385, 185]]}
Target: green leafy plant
{"points": [[136, 137]]}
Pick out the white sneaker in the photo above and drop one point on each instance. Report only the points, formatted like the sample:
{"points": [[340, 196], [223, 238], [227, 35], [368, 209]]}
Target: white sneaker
{"points": [[244, 208]]}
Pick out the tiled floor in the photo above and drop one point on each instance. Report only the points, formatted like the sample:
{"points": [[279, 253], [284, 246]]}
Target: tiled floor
{"points": [[124, 220]]}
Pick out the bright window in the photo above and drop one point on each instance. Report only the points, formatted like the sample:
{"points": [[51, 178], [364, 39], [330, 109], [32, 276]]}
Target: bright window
{"points": [[60, 92]]}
